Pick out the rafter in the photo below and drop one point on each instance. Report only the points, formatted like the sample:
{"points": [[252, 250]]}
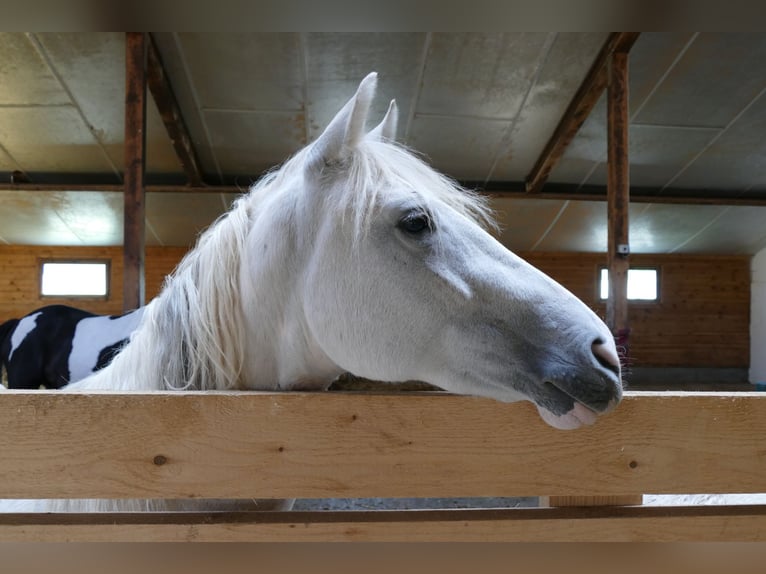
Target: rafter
{"points": [[170, 112], [579, 109]]}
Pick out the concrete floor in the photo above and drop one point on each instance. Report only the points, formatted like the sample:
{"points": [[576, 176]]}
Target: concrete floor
{"points": [[411, 503]]}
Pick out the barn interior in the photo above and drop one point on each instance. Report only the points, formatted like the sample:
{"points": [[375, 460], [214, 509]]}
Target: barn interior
{"points": [[522, 117]]}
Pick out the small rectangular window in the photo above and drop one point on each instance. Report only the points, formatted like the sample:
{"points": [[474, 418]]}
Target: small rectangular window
{"points": [[75, 279], [642, 284]]}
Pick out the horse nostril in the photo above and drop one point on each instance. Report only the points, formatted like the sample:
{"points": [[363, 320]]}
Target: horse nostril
{"points": [[606, 356]]}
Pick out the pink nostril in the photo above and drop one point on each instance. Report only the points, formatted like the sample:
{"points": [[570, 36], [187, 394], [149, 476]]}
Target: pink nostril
{"points": [[606, 355]]}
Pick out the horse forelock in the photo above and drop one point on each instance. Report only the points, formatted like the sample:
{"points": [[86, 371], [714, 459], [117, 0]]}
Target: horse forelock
{"points": [[360, 180]]}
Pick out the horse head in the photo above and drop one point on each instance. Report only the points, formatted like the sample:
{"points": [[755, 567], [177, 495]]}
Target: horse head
{"points": [[402, 281]]}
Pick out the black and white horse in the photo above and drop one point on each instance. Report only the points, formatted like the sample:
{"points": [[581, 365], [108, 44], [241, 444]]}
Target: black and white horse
{"points": [[57, 345]]}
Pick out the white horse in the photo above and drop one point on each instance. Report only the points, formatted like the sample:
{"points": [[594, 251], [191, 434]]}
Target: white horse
{"points": [[355, 256]]}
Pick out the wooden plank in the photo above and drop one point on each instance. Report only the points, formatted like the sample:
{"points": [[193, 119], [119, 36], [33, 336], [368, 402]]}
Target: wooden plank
{"points": [[135, 159], [331, 445], [578, 110], [618, 198], [170, 112], [627, 524]]}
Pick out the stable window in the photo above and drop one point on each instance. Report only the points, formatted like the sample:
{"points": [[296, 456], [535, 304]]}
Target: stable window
{"points": [[74, 279], [642, 284]]}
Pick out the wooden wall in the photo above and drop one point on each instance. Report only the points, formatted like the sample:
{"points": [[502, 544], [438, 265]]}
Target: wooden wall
{"points": [[702, 319], [20, 276]]}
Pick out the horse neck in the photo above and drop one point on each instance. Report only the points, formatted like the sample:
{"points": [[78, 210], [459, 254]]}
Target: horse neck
{"points": [[282, 353]]}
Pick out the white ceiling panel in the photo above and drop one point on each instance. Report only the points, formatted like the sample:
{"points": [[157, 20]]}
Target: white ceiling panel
{"points": [[524, 222], [178, 218], [461, 147], [25, 77], [480, 75], [665, 228], [260, 71], [479, 106], [581, 226]]}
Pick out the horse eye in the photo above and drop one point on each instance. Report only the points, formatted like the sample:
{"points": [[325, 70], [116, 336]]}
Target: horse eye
{"points": [[415, 223]]}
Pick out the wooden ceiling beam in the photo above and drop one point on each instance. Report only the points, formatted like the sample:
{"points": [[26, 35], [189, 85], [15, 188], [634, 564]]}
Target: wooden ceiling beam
{"points": [[579, 109], [503, 190], [170, 112]]}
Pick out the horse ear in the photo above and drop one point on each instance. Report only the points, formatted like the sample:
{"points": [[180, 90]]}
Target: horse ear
{"points": [[346, 129], [386, 129]]}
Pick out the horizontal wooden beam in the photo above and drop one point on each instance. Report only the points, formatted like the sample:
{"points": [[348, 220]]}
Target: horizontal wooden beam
{"points": [[584, 100], [116, 188], [617, 524], [508, 190], [335, 445]]}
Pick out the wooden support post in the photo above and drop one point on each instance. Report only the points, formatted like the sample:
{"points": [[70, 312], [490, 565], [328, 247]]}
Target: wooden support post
{"points": [[135, 155], [618, 192]]}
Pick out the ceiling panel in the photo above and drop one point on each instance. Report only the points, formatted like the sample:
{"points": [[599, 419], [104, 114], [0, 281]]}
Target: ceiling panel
{"points": [[524, 222], [737, 159], [479, 75], [96, 218], [481, 106], [337, 62], [25, 78], [580, 227], [7, 164], [464, 148], [31, 219], [51, 140], [569, 59], [93, 69], [260, 71], [651, 57], [663, 228], [735, 230], [712, 82], [656, 152], [247, 143], [178, 218]]}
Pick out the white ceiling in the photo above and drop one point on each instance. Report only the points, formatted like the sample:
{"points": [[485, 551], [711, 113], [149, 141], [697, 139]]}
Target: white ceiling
{"points": [[480, 106]]}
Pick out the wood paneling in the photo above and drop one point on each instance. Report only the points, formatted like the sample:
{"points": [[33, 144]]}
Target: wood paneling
{"points": [[20, 276], [701, 320]]}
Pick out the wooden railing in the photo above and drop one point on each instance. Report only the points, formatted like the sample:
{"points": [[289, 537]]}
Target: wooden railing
{"points": [[345, 445]]}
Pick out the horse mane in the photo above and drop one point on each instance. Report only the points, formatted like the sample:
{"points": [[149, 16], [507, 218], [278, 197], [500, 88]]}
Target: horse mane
{"points": [[192, 335]]}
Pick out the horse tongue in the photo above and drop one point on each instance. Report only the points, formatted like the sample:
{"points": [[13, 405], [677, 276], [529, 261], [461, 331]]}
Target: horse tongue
{"points": [[579, 416]]}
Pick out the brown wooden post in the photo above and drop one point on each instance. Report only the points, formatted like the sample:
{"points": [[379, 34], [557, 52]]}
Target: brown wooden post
{"points": [[135, 155], [618, 192]]}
